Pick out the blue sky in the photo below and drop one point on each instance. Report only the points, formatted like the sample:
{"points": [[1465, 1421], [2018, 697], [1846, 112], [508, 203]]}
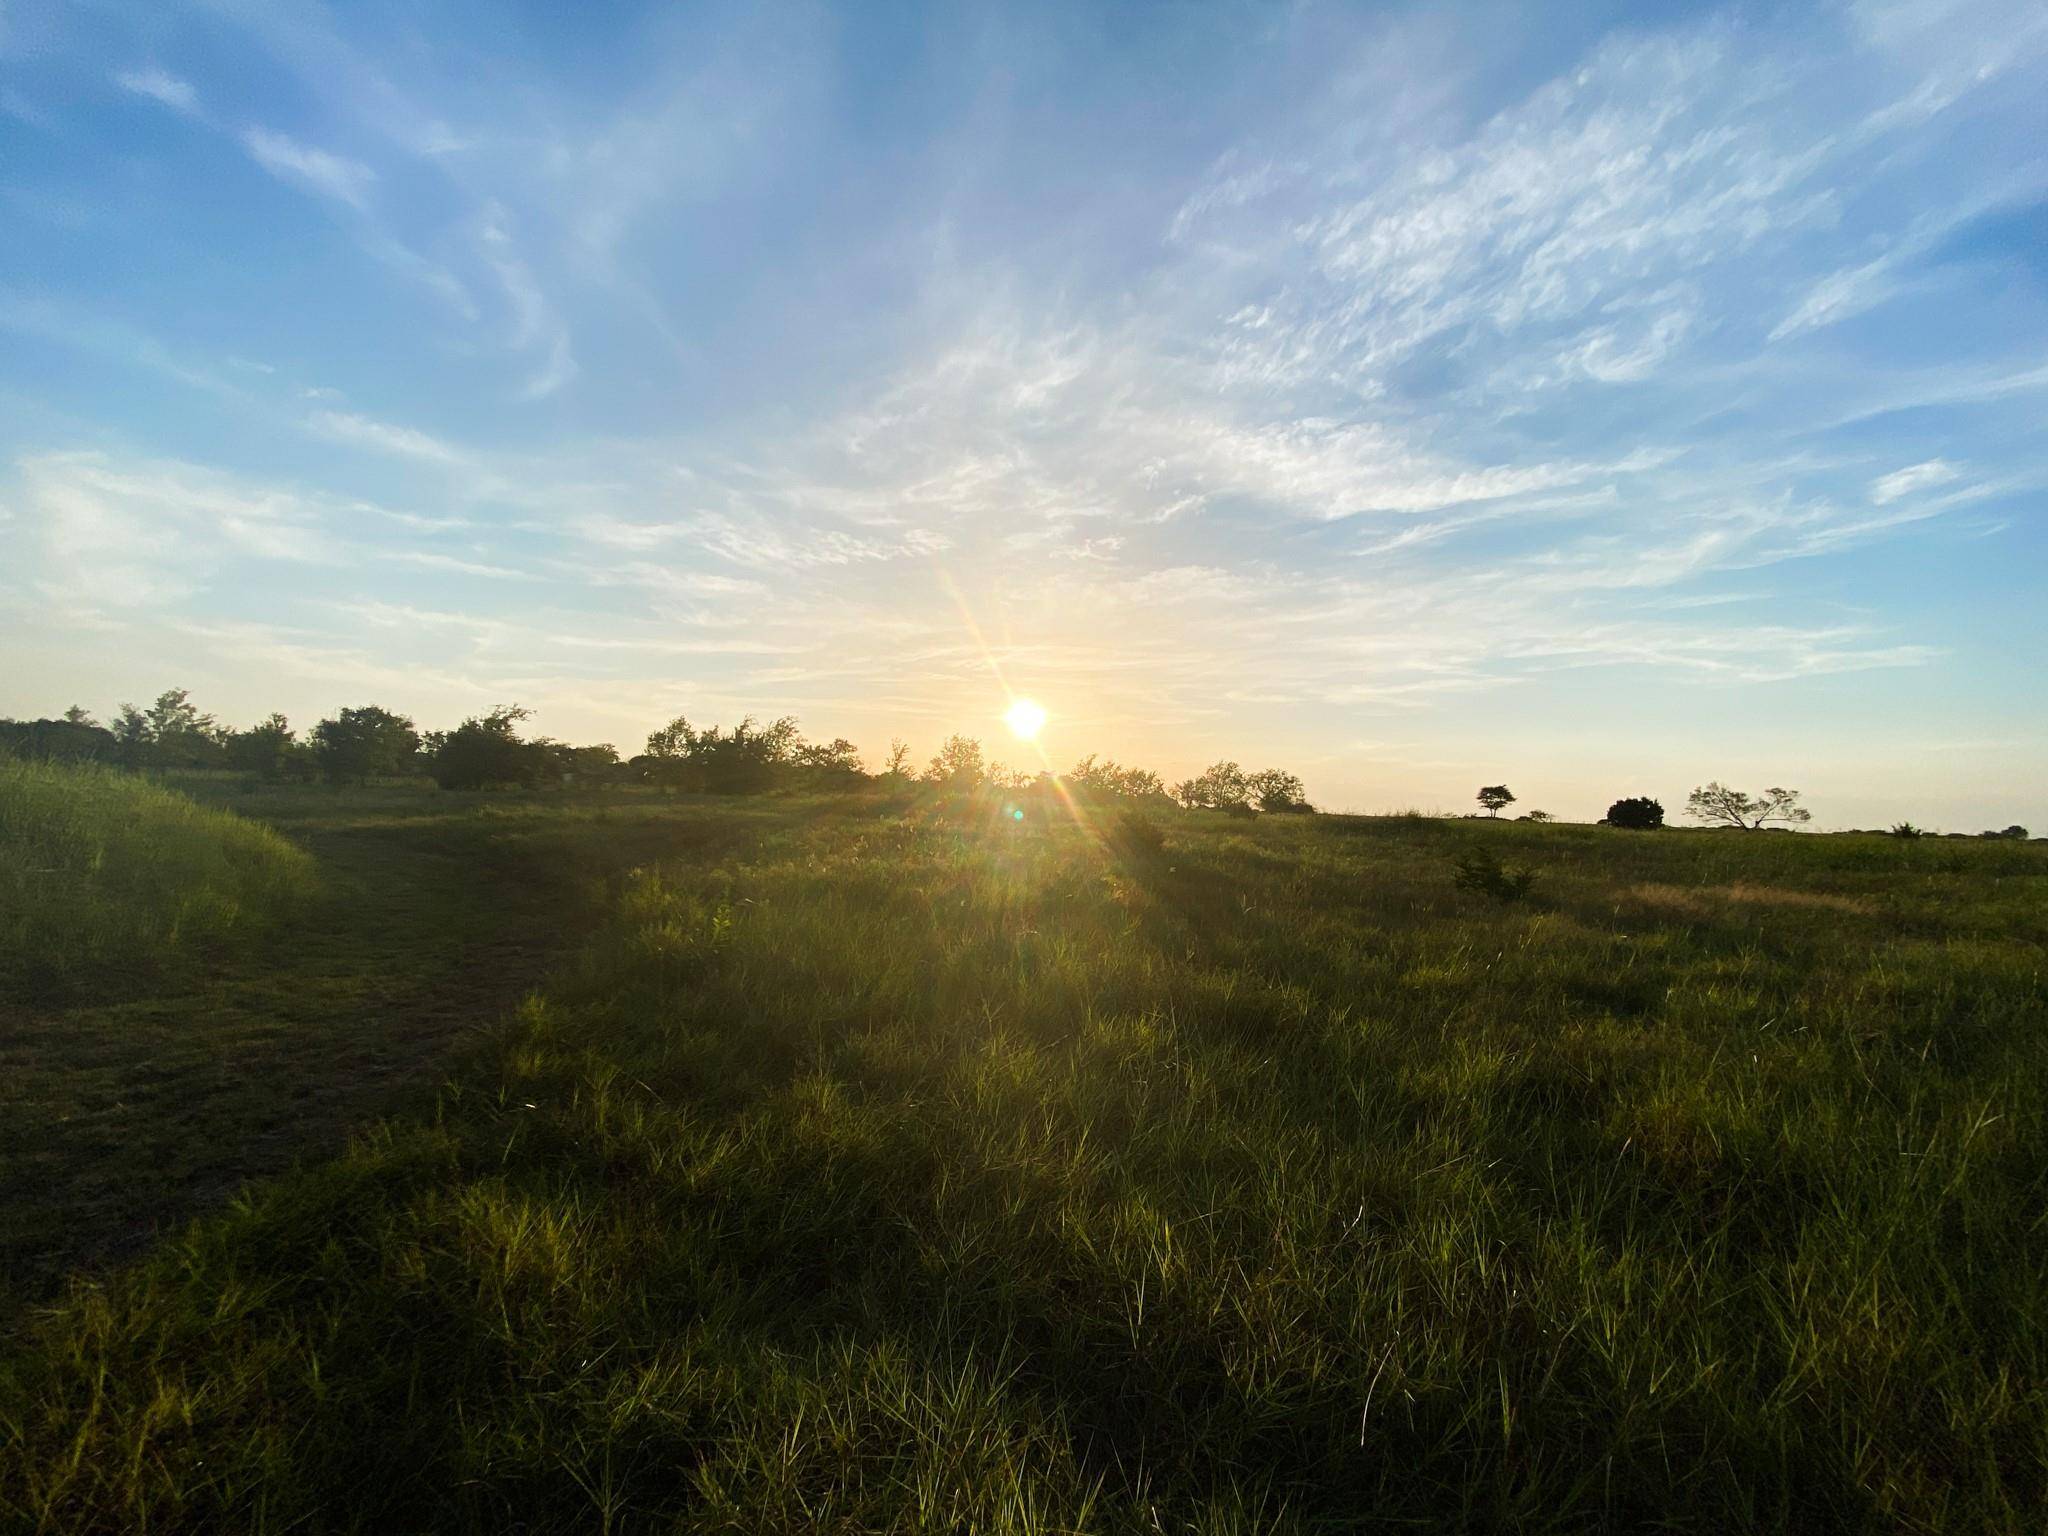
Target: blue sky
{"points": [[1414, 397]]}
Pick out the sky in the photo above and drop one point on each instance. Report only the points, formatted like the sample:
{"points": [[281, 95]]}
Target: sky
{"points": [[1596, 399]]}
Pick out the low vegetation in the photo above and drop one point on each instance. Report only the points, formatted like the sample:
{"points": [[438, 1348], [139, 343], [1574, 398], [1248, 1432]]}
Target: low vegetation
{"points": [[106, 875], [913, 1161]]}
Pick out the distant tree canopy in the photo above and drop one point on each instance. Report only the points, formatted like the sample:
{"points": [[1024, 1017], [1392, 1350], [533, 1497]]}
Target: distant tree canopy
{"points": [[171, 733], [365, 743], [66, 739], [1494, 797], [487, 750], [2017, 834], [1228, 788], [829, 762], [270, 749], [595, 760], [1108, 780], [746, 759], [957, 765], [1639, 813], [1718, 805]]}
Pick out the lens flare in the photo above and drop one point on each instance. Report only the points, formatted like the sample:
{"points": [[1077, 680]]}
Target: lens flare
{"points": [[1025, 718]]}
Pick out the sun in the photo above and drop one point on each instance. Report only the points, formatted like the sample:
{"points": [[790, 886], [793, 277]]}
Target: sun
{"points": [[1025, 718]]}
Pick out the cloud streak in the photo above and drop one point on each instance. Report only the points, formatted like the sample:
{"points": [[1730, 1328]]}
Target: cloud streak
{"points": [[310, 168]]}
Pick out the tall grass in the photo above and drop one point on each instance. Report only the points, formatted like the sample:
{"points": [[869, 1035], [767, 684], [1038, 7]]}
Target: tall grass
{"points": [[104, 872], [913, 1177]]}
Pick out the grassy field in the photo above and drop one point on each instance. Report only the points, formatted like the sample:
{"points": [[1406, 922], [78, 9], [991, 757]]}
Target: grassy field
{"points": [[867, 1167]]}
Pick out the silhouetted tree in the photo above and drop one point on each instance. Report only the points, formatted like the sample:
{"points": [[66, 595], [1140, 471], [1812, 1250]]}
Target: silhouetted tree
{"points": [[1110, 781], [78, 714], [487, 749], [1495, 796], [1010, 780], [269, 748], [957, 765], [673, 741], [898, 765], [833, 764], [174, 715], [1907, 831], [1537, 816], [1219, 787], [1277, 792], [598, 761], [1722, 806], [131, 735], [743, 760], [2017, 834], [171, 733], [360, 744], [1638, 813]]}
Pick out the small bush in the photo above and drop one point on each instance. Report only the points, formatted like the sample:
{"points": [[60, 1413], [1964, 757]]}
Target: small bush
{"points": [[1906, 829], [1637, 813], [1480, 871], [1136, 835]]}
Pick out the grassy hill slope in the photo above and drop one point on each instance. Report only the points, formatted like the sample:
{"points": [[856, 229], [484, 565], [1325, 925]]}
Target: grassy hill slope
{"points": [[106, 872]]}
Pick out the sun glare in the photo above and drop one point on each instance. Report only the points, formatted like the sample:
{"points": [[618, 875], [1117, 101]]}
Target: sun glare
{"points": [[1025, 717]]}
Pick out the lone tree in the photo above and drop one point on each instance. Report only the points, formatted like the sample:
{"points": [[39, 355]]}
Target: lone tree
{"points": [[1639, 813], [1275, 790], [1725, 807], [1494, 796]]}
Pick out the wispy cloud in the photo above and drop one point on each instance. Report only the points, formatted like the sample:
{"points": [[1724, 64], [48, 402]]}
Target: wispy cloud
{"points": [[536, 327], [316, 170], [1840, 295], [384, 437], [1915, 477], [160, 86], [432, 560]]}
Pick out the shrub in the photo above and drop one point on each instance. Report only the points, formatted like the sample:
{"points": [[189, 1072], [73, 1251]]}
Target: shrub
{"points": [[1906, 829], [1638, 813], [1480, 871]]}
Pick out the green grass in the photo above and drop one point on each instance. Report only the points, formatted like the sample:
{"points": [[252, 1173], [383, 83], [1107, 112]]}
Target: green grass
{"points": [[108, 875], [867, 1171], [129, 1100]]}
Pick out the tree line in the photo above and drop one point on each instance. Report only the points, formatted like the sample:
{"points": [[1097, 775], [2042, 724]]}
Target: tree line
{"points": [[368, 742], [485, 751]]}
